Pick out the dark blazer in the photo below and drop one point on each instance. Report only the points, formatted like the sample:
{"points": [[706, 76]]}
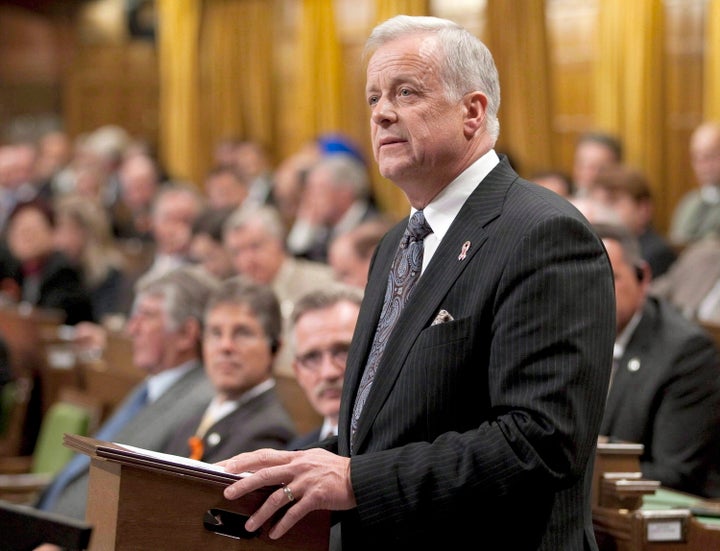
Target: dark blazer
{"points": [[488, 421], [262, 422], [665, 395]]}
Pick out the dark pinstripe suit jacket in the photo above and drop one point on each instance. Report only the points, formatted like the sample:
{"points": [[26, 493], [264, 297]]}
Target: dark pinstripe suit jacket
{"points": [[483, 428]]}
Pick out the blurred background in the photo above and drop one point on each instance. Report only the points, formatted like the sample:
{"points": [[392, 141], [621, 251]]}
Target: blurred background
{"points": [[183, 74]]}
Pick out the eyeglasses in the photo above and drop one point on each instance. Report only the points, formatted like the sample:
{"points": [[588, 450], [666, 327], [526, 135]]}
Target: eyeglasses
{"points": [[313, 359]]}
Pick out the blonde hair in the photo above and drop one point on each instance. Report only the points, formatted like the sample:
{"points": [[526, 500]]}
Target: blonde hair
{"points": [[99, 254]]}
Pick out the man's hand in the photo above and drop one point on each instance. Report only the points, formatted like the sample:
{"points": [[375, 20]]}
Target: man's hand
{"points": [[309, 479]]}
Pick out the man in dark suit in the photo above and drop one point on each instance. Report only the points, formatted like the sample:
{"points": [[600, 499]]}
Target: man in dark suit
{"points": [[665, 390], [487, 399], [323, 323], [240, 342]]}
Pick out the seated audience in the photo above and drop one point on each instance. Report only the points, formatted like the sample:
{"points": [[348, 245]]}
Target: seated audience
{"points": [[692, 283], [335, 200], [323, 323], [55, 152], [289, 184], [350, 253], [253, 162], [242, 326], [626, 191], [166, 329], [698, 212], [255, 238], [82, 233], [665, 383], [139, 182], [33, 272], [554, 180], [17, 177], [225, 187], [173, 213], [594, 151], [206, 243]]}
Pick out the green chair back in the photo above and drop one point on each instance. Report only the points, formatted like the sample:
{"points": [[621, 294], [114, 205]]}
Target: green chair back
{"points": [[50, 455]]}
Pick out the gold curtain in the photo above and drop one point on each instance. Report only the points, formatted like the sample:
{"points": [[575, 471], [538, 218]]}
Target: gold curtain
{"points": [[321, 82], [390, 197], [517, 38], [385, 9], [236, 60], [179, 87], [629, 83], [711, 91]]}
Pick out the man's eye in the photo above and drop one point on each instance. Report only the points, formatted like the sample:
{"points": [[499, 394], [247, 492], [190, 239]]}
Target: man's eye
{"points": [[372, 100], [405, 92]]}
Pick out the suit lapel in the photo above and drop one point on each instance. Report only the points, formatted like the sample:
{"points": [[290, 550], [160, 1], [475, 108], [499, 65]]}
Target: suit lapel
{"points": [[637, 349], [483, 205]]}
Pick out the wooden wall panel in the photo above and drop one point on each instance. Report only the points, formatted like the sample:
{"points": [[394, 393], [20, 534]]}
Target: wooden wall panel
{"points": [[571, 32], [684, 47], [113, 84]]}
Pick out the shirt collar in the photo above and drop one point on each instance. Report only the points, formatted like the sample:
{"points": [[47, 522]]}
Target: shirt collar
{"points": [[159, 383], [446, 205], [624, 338]]}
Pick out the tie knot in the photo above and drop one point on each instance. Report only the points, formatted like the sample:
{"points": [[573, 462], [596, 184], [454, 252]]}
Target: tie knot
{"points": [[418, 227]]}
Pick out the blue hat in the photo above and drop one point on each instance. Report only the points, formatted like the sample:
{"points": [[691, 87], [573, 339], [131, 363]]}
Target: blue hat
{"points": [[330, 144]]}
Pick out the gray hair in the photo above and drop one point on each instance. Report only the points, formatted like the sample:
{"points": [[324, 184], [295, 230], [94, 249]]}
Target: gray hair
{"points": [[469, 65], [267, 216], [259, 298], [179, 189], [320, 299], [345, 171], [185, 291]]}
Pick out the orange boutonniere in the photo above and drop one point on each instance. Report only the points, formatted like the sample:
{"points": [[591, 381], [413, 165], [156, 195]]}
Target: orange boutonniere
{"points": [[197, 448]]}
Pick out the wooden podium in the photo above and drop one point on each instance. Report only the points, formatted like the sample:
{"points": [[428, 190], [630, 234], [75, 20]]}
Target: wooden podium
{"points": [[139, 500]]}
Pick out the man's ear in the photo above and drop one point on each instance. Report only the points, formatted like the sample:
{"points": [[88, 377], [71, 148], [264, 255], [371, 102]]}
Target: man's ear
{"points": [[475, 104], [191, 332]]}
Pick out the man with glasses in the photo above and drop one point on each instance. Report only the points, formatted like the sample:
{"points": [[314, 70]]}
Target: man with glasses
{"points": [[241, 336], [323, 323]]}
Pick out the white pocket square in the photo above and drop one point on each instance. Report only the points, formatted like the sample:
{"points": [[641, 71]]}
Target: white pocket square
{"points": [[443, 316]]}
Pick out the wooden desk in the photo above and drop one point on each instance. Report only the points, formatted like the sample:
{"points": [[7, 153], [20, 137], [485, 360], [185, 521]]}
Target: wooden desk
{"points": [[659, 519]]}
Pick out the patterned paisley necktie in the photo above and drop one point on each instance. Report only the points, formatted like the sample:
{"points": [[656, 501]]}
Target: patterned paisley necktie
{"points": [[404, 273]]}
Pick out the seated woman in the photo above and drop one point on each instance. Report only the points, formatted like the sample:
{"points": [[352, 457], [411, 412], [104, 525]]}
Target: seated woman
{"points": [[82, 233], [32, 271]]}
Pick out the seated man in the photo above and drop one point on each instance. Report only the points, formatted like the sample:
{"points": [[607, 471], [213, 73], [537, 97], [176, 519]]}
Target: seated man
{"points": [[255, 239], [323, 323], [240, 342], [665, 384], [165, 327], [627, 191], [350, 253]]}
